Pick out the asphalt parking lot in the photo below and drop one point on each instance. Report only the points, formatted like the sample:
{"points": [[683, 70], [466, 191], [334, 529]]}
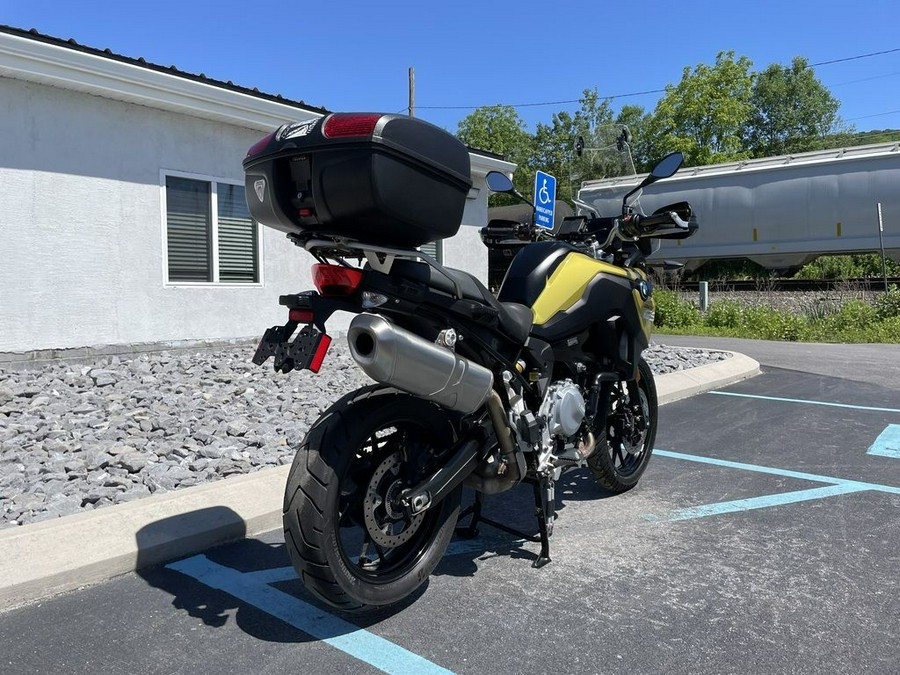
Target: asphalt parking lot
{"points": [[764, 537]]}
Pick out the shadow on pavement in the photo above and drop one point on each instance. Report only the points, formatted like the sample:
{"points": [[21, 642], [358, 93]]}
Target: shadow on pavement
{"points": [[257, 564]]}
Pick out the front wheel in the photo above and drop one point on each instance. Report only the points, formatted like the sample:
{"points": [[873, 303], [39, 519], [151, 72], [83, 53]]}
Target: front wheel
{"points": [[625, 441], [346, 531]]}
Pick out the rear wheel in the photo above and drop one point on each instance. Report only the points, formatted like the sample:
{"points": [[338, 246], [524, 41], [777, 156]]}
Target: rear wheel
{"points": [[347, 534], [625, 442]]}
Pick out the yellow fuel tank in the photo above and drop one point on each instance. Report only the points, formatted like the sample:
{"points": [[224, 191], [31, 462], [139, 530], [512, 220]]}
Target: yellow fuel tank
{"points": [[568, 291]]}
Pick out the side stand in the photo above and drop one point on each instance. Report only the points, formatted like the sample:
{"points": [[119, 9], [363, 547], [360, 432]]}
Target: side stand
{"points": [[545, 511]]}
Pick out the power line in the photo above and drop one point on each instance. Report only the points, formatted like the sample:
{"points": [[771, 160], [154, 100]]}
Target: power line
{"points": [[854, 58], [863, 117], [532, 105], [636, 93], [864, 79]]}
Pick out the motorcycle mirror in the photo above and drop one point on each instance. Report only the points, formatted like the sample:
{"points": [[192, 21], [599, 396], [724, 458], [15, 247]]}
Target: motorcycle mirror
{"points": [[579, 146], [498, 182], [664, 168], [668, 165]]}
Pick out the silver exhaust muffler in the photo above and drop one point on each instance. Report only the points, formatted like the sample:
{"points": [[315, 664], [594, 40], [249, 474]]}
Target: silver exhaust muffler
{"points": [[394, 356]]}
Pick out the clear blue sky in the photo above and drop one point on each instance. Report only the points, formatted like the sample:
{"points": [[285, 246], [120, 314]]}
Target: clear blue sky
{"points": [[354, 55]]}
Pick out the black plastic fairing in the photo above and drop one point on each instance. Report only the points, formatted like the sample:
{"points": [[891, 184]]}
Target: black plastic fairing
{"points": [[527, 275]]}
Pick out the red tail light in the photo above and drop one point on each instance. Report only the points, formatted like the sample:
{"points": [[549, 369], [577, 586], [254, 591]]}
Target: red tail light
{"points": [[260, 145], [350, 124], [336, 280]]}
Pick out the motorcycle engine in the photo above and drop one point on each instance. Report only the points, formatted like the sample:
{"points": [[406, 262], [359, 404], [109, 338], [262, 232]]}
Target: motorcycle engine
{"points": [[563, 409]]}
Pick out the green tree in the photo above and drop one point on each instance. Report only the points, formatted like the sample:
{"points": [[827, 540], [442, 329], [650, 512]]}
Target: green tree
{"points": [[791, 111], [500, 129], [554, 144], [705, 114], [604, 153]]}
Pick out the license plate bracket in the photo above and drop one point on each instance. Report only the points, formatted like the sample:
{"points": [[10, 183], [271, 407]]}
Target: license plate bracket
{"points": [[305, 352]]}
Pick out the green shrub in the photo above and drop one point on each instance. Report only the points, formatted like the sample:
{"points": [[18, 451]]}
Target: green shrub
{"points": [[854, 321], [821, 308], [887, 305], [725, 314], [833, 321], [765, 323], [865, 265], [856, 314], [673, 312]]}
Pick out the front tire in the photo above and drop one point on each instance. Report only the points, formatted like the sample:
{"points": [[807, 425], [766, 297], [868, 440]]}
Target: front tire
{"points": [[352, 544], [625, 442]]}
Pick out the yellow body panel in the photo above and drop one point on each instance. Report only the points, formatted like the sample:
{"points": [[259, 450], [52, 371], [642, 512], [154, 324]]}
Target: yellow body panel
{"points": [[568, 282]]}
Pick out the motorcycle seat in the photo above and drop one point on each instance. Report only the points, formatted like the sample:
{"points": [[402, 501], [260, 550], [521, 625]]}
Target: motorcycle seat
{"points": [[515, 319]]}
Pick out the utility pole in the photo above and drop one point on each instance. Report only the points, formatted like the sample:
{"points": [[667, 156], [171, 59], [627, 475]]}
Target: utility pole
{"points": [[412, 92]]}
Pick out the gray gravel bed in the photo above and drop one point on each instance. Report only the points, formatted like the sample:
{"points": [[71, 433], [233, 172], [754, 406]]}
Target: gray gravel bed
{"points": [[77, 437]]}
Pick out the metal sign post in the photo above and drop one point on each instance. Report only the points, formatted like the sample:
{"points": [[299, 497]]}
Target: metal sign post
{"points": [[881, 243]]}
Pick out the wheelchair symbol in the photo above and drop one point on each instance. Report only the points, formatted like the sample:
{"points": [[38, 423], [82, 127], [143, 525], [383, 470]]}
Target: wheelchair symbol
{"points": [[544, 194]]}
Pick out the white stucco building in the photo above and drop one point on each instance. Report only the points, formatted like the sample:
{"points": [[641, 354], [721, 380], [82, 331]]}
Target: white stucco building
{"points": [[95, 148]]}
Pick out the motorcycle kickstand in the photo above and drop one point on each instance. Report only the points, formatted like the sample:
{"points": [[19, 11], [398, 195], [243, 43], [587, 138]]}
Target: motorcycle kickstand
{"points": [[545, 510], [470, 531]]}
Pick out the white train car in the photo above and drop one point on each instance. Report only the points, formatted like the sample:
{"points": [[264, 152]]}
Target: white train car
{"points": [[780, 212]]}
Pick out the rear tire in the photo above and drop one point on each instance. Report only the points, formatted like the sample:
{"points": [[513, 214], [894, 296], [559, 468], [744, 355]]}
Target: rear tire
{"points": [[625, 443], [345, 533]]}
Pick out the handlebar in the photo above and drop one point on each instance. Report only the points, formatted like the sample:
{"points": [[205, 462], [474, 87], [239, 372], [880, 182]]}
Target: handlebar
{"points": [[674, 221], [678, 216]]}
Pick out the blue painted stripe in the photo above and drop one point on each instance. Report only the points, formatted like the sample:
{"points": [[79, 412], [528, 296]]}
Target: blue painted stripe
{"points": [[800, 400], [766, 501], [275, 575], [891, 489], [888, 443], [351, 639]]}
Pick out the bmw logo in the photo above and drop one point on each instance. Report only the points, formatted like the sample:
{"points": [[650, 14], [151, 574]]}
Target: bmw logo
{"points": [[645, 289]]}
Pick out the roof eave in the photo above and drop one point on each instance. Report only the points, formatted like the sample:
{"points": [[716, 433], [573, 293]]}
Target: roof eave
{"points": [[54, 65]]}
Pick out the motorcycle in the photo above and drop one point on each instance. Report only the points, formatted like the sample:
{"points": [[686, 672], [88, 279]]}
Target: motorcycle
{"points": [[471, 389]]}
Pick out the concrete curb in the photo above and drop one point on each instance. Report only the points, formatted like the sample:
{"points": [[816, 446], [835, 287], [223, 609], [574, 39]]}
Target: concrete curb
{"points": [[41, 560], [684, 383], [46, 558]]}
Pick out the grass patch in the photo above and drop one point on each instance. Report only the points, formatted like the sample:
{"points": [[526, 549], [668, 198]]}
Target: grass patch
{"points": [[851, 320]]}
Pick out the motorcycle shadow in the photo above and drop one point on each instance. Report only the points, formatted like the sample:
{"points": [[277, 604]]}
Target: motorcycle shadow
{"points": [[509, 527], [256, 568], [580, 485]]}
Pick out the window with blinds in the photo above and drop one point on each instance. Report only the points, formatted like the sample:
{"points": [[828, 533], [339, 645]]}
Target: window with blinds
{"points": [[188, 229], [210, 236], [434, 249], [237, 236]]}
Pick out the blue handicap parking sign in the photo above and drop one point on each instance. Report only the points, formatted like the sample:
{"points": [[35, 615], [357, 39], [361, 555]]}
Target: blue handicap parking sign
{"points": [[544, 199]]}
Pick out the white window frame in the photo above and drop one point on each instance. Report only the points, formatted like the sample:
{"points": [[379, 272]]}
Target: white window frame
{"points": [[214, 181]]}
